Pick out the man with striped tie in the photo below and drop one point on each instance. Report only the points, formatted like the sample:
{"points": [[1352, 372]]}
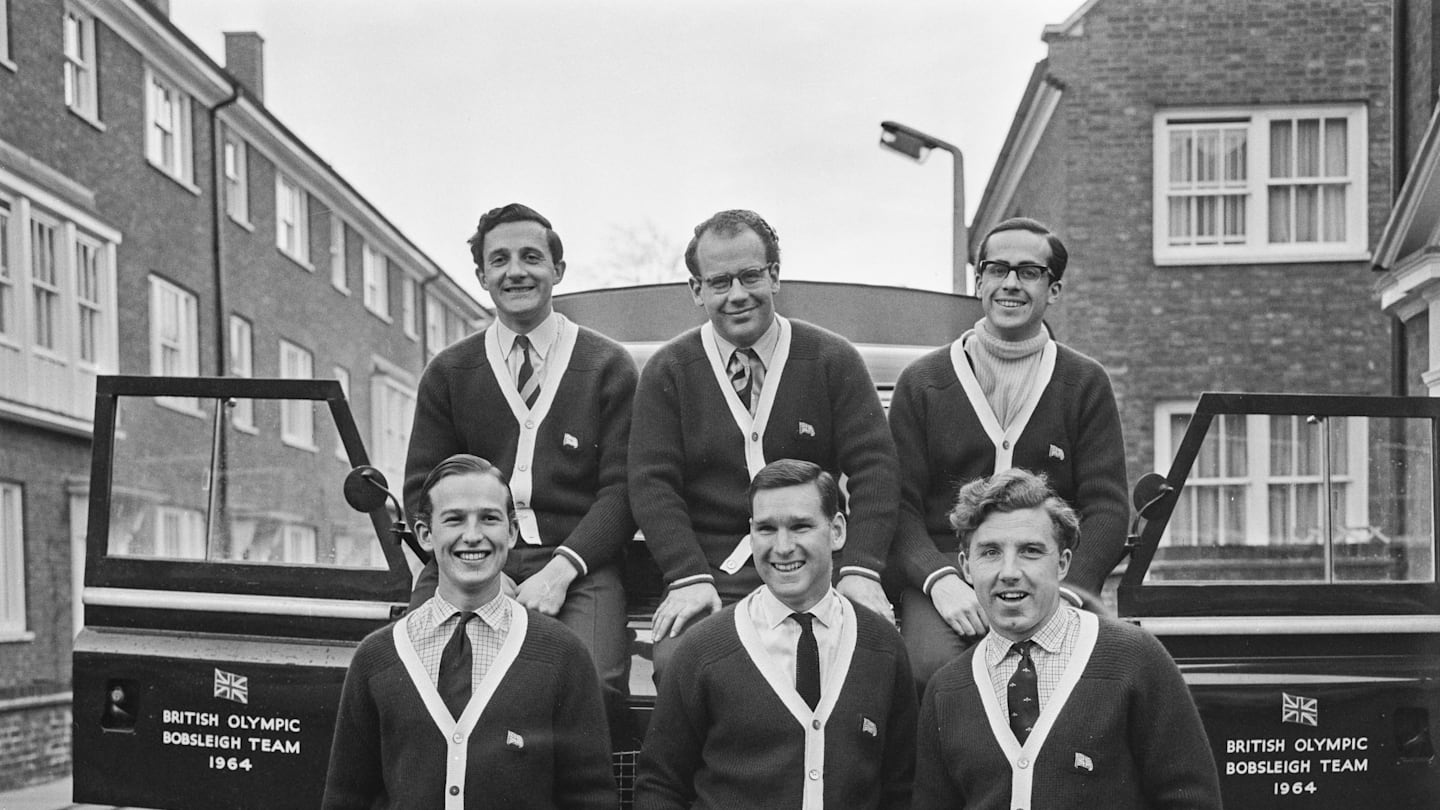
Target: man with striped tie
{"points": [[1055, 707], [548, 402], [719, 401], [470, 701]]}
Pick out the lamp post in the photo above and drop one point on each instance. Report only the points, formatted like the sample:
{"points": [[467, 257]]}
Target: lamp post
{"points": [[916, 145]]}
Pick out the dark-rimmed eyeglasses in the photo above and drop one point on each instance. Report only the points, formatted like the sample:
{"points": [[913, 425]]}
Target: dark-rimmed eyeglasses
{"points": [[751, 278], [999, 271]]}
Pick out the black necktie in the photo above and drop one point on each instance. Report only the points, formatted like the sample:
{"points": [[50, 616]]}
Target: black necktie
{"points": [[741, 369], [1024, 693], [525, 380], [453, 681], [807, 660]]}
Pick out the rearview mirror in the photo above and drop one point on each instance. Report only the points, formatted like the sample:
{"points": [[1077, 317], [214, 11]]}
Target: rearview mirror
{"points": [[366, 489], [1150, 490]]}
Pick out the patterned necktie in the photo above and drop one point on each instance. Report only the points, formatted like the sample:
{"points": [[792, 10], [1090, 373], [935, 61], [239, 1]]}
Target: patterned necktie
{"points": [[525, 379], [453, 682], [1024, 693], [743, 367], [807, 660]]}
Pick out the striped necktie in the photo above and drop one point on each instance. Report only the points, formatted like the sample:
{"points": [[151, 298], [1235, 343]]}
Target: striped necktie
{"points": [[526, 380], [745, 376]]}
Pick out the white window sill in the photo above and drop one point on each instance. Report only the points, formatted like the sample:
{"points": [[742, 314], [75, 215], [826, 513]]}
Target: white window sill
{"points": [[16, 636], [246, 224], [381, 315], [87, 118], [8, 64], [179, 181], [340, 289], [309, 448], [1242, 255], [250, 429], [304, 263], [180, 405]]}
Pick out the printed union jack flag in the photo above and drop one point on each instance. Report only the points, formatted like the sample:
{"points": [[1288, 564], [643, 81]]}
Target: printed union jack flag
{"points": [[230, 686], [1302, 710]]}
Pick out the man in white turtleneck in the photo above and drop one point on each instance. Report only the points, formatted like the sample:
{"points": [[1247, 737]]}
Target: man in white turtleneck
{"points": [[1003, 395]]}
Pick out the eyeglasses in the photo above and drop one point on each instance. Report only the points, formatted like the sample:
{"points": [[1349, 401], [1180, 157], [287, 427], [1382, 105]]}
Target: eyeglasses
{"points": [[750, 278], [999, 271]]}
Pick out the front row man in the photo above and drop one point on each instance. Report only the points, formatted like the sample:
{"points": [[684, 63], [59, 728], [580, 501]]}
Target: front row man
{"points": [[470, 701], [1055, 707], [794, 696]]}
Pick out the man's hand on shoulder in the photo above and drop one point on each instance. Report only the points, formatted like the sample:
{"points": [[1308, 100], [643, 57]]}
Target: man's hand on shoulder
{"points": [[683, 604], [956, 603], [867, 592], [545, 590]]}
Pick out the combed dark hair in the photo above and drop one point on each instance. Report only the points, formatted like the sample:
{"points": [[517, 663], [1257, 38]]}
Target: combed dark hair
{"points": [[460, 464], [1059, 256], [1011, 491], [514, 212], [730, 223], [789, 472]]}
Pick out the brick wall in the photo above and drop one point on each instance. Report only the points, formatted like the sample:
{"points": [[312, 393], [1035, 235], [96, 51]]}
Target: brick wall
{"points": [[1170, 333], [34, 740]]}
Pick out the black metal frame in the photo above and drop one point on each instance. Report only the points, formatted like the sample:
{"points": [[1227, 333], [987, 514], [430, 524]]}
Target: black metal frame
{"points": [[1139, 599], [102, 570]]}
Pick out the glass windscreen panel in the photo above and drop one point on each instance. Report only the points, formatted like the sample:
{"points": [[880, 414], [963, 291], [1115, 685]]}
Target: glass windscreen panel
{"points": [[1303, 499], [252, 481]]}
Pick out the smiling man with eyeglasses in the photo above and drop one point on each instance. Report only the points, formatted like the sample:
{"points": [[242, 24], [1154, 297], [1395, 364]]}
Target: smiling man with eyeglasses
{"points": [[719, 401], [1003, 395]]}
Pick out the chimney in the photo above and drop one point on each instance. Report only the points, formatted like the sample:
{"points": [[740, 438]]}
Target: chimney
{"points": [[245, 59]]}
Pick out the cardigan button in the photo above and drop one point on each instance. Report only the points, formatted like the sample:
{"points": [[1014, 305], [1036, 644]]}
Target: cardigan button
{"points": [[459, 738], [815, 724], [529, 424], [814, 773], [454, 790], [1023, 762], [1005, 444], [523, 467], [754, 437]]}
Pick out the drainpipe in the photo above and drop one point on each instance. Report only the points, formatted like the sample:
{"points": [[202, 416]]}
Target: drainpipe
{"points": [[217, 157]]}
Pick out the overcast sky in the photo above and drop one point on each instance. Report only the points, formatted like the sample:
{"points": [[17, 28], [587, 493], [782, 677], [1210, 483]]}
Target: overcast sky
{"points": [[628, 117]]}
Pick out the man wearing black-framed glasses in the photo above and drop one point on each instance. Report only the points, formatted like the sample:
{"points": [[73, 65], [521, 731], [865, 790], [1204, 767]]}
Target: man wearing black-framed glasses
{"points": [[715, 404], [1003, 395]]}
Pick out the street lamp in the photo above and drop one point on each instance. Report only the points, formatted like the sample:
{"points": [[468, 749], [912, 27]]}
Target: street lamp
{"points": [[916, 145]]}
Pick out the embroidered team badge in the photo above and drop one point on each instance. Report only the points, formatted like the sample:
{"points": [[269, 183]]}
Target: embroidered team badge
{"points": [[1056, 453], [1300, 710], [570, 441], [868, 727], [232, 687], [1084, 763], [513, 740], [805, 429]]}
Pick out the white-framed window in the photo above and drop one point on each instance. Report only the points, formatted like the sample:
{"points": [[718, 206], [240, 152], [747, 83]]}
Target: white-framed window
{"points": [[80, 66], [292, 230], [392, 410], [298, 543], [1259, 479], [45, 279], [342, 376], [297, 416], [409, 312], [338, 278], [167, 128], [434, 327], [174, 338], [58, 312], [376, 281], [1281, 184], [242, 364], [237, 178], [179, 533], [9, 317], [12, 561], [5, 34]]}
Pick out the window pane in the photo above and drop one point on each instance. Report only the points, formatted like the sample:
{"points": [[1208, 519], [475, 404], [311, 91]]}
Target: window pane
{"points": [[1180, 166], [1207, 159], [1282, 445], [1279, 212], [1236, 461], [1336, 148], [1307, 147], [1307, 213], [1333, 206], [1205, 208], [1180, 227], [1235, 155], [1281, 149], [1234, 217], [1207, 462]]}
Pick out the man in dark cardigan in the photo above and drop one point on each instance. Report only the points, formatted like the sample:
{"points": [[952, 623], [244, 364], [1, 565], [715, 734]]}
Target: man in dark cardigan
{"points": [[470, 702], [719, 401], [1002, 395], [794, 696], [548, 402], [1055, 707]]}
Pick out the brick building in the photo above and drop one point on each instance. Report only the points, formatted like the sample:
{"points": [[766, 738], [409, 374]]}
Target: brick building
{"points": [[155, 218], [1219, 171]]}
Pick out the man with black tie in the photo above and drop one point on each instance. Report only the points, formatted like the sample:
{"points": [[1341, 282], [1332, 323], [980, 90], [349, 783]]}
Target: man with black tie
{"points": [[470, 701], [795, 696]]}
